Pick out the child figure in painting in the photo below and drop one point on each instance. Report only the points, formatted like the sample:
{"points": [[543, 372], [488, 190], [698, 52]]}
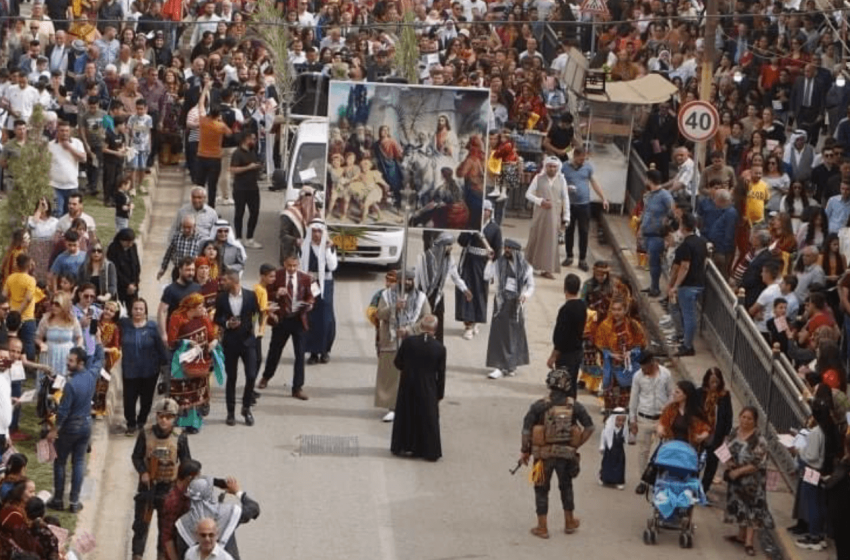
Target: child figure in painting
{"points": [[369, 190], [339, 186], [612, 445]]}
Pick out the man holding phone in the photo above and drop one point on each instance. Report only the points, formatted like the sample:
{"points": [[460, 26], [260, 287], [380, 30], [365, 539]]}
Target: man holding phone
{"points": [[291, 290], [235, 312]]}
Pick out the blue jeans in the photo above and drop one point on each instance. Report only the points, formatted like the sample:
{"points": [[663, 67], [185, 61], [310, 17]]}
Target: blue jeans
{"points": [[62, 196], [27, 336], [813, 500], [687, 304], [73, 441], [655, 247]]}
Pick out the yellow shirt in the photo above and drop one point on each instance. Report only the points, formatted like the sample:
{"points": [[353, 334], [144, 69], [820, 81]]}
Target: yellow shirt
{"points": [[19, 285], [757, 195], [263, 303]]}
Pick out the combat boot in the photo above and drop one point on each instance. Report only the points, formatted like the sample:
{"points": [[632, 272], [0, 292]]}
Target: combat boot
{"points": [[541, 530], [570, 523]]}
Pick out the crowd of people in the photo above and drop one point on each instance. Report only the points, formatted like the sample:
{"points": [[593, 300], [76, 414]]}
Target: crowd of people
{"points": [[124, 83]]}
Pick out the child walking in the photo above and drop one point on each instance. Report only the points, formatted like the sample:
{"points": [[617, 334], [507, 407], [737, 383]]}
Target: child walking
{"points": [[140, 126], [612, 445], [123, 203], [114, 154]]}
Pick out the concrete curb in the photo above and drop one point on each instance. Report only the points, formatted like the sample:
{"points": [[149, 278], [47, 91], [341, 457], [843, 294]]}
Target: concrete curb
{"points": [[100, 441], [624, 252]]}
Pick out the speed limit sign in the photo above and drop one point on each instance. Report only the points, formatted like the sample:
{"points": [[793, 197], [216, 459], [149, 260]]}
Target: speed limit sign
{"points": [[698, 121]]}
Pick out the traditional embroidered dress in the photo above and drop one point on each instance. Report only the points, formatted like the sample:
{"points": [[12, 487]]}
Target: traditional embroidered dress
{"points": [[111, 337], [625, 338], [191, 364], [597, 295]]}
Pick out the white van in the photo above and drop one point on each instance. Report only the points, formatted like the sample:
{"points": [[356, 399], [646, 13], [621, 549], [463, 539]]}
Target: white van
{"points": [[307, 168]]}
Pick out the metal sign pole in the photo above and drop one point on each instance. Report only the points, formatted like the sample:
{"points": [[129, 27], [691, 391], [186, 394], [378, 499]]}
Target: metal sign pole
{"points": [[593, 34], [407, 193]]}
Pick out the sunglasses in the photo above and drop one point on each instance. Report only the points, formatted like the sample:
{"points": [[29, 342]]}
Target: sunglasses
{"points": [[97, 250]]}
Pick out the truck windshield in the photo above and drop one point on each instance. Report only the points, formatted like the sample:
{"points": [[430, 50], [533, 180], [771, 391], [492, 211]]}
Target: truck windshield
{"points": [[310, 156]]}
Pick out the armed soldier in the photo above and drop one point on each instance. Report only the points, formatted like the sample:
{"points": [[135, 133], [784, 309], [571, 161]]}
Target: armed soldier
{"points": [[553, 430], [159, 452]]}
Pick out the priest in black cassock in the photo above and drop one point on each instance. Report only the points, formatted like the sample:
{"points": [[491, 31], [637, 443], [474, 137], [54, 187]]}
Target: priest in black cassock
{"points": [[421, 359]]}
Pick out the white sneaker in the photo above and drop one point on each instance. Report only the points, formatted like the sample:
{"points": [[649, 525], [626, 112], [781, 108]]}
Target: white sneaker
{"points": [[467, 334], [621, 487], [388, 417], [511, 373], [228, 202], [475, 329], [251, 244], [496, 374]]}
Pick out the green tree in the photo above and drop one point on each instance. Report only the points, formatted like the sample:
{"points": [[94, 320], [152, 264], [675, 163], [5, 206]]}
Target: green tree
{"points": [[31, 172], [407, 51], [273, 31]]}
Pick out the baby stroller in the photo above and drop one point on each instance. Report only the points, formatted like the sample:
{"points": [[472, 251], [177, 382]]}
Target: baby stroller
{"points": [[676, 489]]}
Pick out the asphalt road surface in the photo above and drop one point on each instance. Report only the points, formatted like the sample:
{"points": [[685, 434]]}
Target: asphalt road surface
{"points": [[375, 506]]}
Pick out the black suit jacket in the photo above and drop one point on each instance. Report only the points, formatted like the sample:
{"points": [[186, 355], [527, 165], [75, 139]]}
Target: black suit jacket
{"points": [[797, 93], [243, 335]]}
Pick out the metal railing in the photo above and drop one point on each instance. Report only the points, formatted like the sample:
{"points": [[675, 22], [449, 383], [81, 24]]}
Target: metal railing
{"points": [[764, 378]]}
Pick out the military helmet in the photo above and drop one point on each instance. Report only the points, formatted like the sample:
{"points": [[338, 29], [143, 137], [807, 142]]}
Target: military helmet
{"points": [[559, 379], [167, 406]]}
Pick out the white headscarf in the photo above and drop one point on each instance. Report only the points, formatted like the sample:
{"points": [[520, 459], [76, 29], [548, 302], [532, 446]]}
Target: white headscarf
{"points": [[607, 439], [202, 504], [321, 255], [552, 159], [221, 223], [790, 148]]}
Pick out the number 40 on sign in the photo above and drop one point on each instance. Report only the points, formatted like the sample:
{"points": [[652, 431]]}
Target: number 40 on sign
{"points": [[698, 121]]}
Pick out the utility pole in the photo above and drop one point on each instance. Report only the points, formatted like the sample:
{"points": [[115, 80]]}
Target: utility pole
{"points": [[708, 58]]}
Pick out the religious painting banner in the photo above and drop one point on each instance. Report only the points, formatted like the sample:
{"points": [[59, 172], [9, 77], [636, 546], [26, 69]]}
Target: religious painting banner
{"points": [[386, 138]]}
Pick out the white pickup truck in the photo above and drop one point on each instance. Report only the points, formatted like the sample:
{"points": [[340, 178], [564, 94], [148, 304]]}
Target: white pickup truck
{"points": [[307, 168]]}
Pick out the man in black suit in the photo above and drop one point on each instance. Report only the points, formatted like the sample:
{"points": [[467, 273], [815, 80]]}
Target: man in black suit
{"points": [[235, 312], [659, 135], [807, 102]]}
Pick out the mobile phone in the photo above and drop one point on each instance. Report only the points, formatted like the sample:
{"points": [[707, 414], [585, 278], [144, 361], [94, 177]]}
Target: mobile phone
{"points": [[93, 326]]}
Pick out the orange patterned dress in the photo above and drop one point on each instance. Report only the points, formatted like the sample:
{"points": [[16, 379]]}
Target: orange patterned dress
{"points": [[111, 336]]}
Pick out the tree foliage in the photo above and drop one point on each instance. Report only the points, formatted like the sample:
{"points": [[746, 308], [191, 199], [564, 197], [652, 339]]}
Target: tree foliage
{"points": [[274, 32], [31, 172], [407, 50]]}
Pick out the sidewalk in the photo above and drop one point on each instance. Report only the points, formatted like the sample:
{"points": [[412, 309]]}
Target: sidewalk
{"points": [[109, 448], [781, 499]]}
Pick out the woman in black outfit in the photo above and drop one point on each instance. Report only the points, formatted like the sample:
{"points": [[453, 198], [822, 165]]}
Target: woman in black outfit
{"points": [[717, 405]]}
